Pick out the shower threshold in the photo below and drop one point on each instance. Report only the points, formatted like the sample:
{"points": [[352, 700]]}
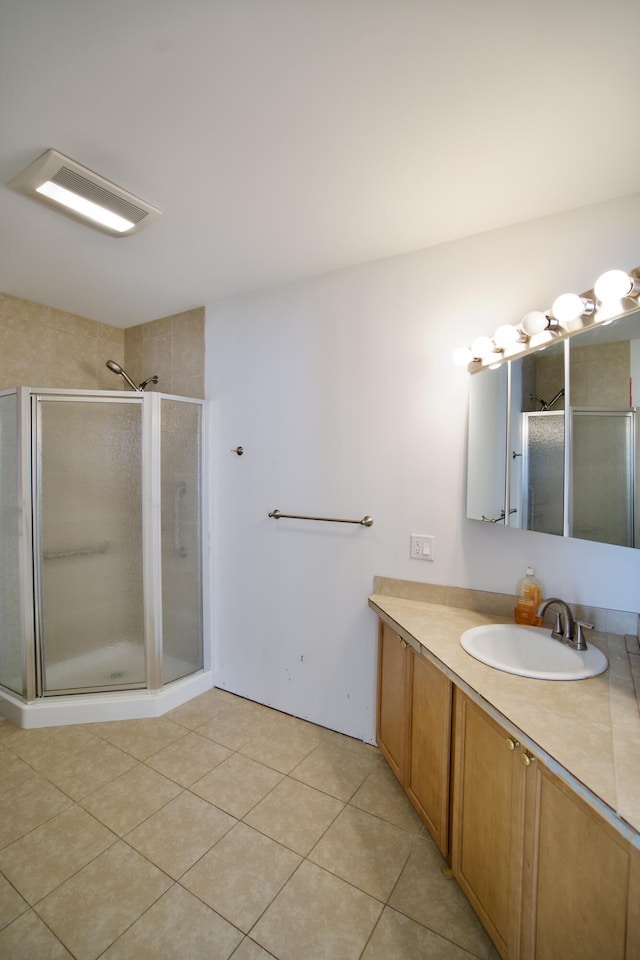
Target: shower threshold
{"points": [[99, 707]]}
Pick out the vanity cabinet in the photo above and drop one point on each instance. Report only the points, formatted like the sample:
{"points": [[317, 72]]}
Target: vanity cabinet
{"points": [[488, 822], [392, 723], [414, 729], [546, 874], [580, 891]]}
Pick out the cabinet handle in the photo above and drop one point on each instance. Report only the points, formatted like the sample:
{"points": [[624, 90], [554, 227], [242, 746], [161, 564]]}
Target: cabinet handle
{"points": [[527, 759], [512, 744], [403, 643]]}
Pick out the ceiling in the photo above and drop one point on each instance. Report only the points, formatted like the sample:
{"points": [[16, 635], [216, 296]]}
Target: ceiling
{"points": [[285, 138]]}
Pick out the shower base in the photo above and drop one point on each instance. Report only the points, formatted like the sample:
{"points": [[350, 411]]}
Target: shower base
{"points": [[60, 710]]}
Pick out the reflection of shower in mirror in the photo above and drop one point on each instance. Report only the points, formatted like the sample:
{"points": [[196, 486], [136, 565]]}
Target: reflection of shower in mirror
{"points": [[543, 403]]}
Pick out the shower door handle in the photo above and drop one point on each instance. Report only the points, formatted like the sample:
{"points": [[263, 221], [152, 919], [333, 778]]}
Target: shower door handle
{"points": [[179, 496]]}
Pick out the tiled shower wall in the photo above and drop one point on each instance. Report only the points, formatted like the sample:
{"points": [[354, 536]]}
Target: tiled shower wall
{"points": [[172, 347], [44, 347]]}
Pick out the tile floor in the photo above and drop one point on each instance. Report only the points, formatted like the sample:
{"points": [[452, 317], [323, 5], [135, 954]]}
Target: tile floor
{"points": [[223, 829]]}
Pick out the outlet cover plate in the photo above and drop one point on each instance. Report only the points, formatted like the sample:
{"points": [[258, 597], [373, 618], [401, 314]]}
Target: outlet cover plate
{"points": [[422, 546]]}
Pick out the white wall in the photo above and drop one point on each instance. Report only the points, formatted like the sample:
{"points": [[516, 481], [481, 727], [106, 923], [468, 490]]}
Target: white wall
{"points": [[342, 392]]}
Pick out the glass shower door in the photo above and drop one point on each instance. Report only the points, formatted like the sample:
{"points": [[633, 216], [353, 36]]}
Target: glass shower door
{"points": [[543, 471], [602, 499], [180, 472], [88, 549], [10, 632]]}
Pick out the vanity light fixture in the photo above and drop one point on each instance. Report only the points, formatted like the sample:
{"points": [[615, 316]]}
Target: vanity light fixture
{"points": [[70, 188], [615, 294], [508, 335], [569, 307], [615, 285], [483, 347], [462, 356], [536, 322]]}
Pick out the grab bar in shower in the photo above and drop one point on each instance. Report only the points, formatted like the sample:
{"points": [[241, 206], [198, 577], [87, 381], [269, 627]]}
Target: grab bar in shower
{"points": [[179, 495], [365, 522], [80, 552]]}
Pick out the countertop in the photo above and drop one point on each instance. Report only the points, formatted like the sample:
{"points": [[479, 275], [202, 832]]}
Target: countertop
{"points": [[586, 731]]}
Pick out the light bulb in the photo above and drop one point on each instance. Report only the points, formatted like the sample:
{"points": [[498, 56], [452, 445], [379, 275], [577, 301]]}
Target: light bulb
{"points": [[482, 347], [569, 306], [87, 208], [462, 356], [505, 336], [534, 322], [614, 285]]}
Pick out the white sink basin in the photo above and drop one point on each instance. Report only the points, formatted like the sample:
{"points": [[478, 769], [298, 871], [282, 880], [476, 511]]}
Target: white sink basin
{"points": [[531, 652]]}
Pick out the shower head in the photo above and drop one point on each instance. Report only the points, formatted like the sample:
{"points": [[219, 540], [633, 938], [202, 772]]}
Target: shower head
{"points": [[116, 368]]}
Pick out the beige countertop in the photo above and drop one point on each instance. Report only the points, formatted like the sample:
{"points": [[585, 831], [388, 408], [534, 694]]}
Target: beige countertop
{"points": [[587, 731]]}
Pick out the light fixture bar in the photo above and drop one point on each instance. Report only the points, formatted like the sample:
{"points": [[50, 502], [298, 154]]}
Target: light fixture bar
{"points": [[616, 294]]}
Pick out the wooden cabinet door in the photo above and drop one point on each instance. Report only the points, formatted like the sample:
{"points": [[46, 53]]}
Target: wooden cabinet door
{"points": [[633, 908], [429, 770], [581, 879], [392, 722], [488, 822]]}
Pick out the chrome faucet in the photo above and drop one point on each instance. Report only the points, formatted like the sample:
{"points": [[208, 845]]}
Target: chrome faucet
{"points": [[565, 630]]}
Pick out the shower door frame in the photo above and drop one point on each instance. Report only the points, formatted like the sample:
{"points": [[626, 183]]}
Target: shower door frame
{"points": [[151, 538], [69, 396]]}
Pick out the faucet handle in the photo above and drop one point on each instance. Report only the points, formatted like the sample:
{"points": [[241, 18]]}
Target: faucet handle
{"points": [[581, 643]]}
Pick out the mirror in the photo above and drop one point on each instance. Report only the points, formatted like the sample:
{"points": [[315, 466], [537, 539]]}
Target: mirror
{"points": [[562, 436], [486, 464]]}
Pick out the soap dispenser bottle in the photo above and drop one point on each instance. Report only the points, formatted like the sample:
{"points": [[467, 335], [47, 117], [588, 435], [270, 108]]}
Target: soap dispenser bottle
{"points": [[528, 598]]}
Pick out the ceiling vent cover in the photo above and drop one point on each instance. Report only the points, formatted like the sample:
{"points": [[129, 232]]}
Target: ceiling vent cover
{"points": [[84, 195]]}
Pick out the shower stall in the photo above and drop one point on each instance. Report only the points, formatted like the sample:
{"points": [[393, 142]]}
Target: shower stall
{"points": [[101, 560]]}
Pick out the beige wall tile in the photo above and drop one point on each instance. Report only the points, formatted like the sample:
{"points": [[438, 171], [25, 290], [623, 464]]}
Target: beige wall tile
{"points": [[157, 328], [188, 356], [156, 358], [133, 335], [115, 335], [44, 347], [70, 323], [188, 387]]}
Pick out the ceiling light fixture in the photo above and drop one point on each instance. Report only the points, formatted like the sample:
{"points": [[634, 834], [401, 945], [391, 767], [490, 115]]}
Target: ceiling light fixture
{"points": [[67, 186]]}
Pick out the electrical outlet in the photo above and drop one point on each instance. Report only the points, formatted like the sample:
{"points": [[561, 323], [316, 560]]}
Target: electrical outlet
{"points": [[422, 547]]}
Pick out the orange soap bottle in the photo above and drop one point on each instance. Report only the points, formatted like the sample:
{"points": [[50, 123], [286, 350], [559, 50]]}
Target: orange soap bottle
{"points": [[528, 597]]}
